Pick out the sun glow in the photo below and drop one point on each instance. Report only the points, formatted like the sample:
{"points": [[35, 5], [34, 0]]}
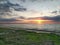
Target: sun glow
{"points": [[42, 21], [35, 21], [38, 21]]}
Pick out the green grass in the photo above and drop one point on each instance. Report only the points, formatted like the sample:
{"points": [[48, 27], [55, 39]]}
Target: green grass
{"points": [[21, 37]]}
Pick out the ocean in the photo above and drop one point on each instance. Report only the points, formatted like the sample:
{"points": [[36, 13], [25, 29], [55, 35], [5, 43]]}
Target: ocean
{"points": [[34, 26]]}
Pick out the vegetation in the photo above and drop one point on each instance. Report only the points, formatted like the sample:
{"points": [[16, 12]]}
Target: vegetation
{"points": [[22, 37]]}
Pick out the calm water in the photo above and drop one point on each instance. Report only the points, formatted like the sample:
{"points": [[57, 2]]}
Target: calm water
{"points": [[34, 26]]}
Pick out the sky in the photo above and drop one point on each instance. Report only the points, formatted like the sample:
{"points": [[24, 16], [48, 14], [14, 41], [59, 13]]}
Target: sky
{"points": [[37, 8], [21, 9]]}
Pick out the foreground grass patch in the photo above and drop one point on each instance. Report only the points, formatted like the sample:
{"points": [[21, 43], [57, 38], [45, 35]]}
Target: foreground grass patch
{"points": [[21, 37]]}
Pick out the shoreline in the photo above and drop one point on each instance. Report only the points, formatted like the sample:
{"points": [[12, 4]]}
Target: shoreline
{"points": [[34, 30]]}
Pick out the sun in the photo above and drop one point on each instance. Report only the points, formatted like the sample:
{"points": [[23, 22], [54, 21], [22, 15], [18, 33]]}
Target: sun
{"points": [[39, 21], [43, 21]]}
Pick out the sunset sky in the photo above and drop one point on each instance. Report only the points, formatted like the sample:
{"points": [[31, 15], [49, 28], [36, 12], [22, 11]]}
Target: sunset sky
{"points": [[21, 10]]}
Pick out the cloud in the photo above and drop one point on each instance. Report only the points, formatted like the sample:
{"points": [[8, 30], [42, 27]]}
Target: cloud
{"points": [[7, 20], [6, 7], [41, 0], [23, 0], [3, 21], [55, 18], [20, 9], [11, 19], [21, 17], [56, 12]]}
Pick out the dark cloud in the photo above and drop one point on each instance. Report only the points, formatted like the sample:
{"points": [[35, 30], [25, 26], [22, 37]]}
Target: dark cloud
{"points": [[42, 0], [56, 18], [36, 0], [6, 7], [20, 9], [21, 17], [11, 19], [7, 20], [2, 0], [54, 12]]}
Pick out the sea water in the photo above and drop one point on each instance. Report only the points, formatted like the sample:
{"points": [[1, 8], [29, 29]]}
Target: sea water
{"points": [[34, 26]]}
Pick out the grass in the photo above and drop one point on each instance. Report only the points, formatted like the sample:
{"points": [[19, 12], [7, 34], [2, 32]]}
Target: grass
{"points": [[22, 37]]}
